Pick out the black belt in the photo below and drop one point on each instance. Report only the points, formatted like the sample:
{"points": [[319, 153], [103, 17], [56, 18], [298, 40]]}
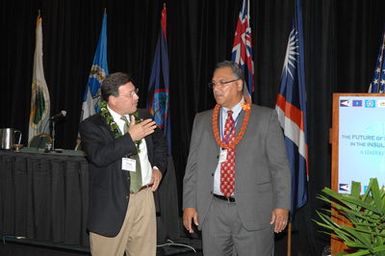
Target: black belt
{"points": [[228, 199]]}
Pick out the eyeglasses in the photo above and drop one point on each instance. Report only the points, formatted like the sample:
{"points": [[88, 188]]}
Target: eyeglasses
{"points": [[132, 93], [221, 84]]}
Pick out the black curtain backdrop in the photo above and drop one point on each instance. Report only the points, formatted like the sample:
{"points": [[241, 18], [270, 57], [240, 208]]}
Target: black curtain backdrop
{"points": [[342, 39]]}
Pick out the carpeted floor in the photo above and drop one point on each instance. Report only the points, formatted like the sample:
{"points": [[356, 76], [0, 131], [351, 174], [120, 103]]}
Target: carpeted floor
{"points": [[183, 247]]}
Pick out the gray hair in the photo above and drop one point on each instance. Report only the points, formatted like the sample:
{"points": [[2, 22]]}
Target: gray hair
{"points": [[237, 71]]}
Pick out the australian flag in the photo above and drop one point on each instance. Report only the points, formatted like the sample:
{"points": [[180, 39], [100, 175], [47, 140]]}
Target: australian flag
{"points": [[99, 71], [158, 92], [378, 83], [242, 53], [291, 108]]}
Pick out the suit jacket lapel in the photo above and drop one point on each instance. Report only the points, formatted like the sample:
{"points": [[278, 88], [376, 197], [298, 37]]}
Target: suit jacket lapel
{"points": [[240, 121], [106, 126]]}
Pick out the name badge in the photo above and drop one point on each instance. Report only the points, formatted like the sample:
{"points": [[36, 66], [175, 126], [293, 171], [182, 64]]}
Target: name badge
{"points": [[128, 164], [222, 155]]}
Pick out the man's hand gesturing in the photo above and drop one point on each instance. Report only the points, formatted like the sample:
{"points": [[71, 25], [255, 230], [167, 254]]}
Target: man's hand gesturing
{"points": [[140, 130]]}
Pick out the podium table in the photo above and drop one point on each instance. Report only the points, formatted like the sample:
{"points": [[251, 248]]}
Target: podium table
{"points": [[44, 196]]}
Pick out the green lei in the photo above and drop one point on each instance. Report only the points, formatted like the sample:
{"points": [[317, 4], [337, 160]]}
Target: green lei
{"points": [[113, 125]]}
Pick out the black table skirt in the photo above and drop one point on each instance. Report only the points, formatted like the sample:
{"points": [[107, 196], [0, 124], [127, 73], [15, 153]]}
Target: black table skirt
{"points": [[44, 197]]}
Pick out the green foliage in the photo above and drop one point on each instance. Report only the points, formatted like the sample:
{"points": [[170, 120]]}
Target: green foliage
{"points": [[366, 213]]}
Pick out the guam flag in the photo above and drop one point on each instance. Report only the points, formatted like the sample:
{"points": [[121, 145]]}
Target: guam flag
{"points": [[378, 83], [99, 71], [291, 108], [158, 92], [242, 53]]}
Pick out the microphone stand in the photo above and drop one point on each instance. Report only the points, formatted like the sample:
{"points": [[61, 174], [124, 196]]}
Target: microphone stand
{"points": [[52, 133]]}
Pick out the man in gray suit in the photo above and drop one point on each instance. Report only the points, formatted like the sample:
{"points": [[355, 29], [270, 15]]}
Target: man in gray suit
{"points": [[236, 187]]}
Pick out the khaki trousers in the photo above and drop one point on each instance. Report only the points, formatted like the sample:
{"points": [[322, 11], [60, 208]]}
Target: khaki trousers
{"points": [[137, 237]]}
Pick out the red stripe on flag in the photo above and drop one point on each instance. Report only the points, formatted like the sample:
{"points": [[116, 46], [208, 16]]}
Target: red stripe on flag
{"points": [[291, 111], [163, 20]]}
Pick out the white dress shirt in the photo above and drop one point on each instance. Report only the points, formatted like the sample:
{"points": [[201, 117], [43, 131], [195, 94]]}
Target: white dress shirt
{"points": [[222, 120], [143, 157]]}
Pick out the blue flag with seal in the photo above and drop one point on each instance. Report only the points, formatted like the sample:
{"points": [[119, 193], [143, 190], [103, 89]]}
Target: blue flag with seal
{"points": [[98, 73], [378, 83], [291, 109], [158, 88]]}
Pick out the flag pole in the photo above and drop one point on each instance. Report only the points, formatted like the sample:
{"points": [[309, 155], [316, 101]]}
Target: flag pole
{"points": [[289, 239]]}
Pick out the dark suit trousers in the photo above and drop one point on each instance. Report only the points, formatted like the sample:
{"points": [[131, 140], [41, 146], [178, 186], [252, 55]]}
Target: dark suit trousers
{"points": [[224, 235]]}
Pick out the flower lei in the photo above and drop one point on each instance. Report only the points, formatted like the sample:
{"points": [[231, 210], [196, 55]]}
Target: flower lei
{"points": [[113, 125], [214, 122]]}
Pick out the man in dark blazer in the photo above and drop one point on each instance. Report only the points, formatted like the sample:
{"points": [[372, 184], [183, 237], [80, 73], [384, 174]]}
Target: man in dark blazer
{"points": [[122, 142], [237, 215]]}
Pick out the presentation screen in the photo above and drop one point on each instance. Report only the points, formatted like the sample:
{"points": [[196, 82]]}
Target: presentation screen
{"points": [[360, 138]]}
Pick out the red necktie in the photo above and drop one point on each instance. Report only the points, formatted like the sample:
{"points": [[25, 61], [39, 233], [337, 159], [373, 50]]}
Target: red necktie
{"points": [[228, 166]]}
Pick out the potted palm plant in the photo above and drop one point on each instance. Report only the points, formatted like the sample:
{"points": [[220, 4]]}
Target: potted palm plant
{"points": [[364, 232]]}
